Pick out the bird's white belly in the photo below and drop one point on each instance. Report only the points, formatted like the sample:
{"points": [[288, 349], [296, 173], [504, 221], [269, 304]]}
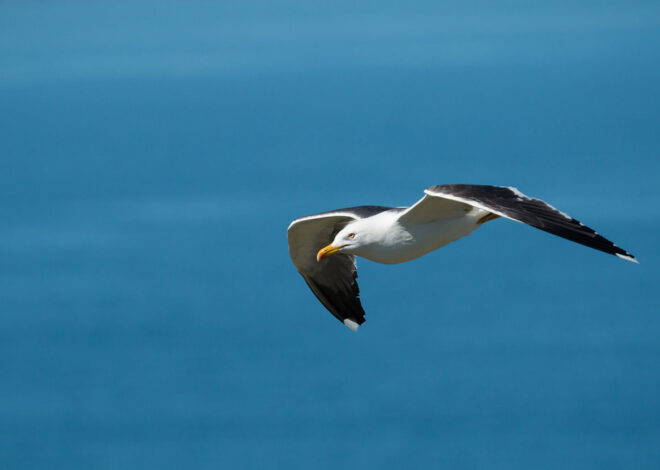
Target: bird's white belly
{"points": [[409, 242]]}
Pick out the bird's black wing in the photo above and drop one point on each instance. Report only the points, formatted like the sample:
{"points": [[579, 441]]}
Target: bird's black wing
{"points": [[334, 279], [510, 203]]}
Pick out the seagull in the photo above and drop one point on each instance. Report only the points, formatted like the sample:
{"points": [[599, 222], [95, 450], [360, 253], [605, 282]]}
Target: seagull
{"points": [[323, 246]]}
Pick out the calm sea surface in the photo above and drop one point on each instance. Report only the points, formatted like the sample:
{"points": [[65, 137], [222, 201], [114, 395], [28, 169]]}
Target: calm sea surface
{"points": [[152, 156]]}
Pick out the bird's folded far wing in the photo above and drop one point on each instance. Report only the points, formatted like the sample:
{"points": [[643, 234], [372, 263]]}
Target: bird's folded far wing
{"points": [[433, 209], [334, 279], [510, 203]]}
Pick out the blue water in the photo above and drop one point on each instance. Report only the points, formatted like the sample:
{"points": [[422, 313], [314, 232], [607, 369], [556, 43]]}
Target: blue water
{"points": [[152, 156]]}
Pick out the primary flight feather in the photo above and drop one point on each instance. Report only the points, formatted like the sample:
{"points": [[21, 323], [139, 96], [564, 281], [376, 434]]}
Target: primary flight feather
{"points": [[323, 246]]}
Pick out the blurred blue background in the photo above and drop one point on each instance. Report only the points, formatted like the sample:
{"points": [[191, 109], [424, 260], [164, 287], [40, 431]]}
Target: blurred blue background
{"points": [[154, 153]]}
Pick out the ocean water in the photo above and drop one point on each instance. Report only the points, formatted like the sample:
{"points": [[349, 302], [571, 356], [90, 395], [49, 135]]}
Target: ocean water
{"points": [[153, 154]]}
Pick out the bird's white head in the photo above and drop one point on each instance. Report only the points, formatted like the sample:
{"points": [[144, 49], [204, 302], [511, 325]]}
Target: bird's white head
{"points": [[351, 239]]}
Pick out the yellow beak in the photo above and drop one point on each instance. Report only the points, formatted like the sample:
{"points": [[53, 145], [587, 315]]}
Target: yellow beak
{"points": [[327, 251]]}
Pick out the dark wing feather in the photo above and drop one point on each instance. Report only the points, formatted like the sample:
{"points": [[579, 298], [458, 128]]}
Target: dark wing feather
{"points": [[510, 203], [335, 285]]}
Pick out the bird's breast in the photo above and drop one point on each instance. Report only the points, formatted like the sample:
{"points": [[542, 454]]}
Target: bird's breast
{"points": [[405, 243]]}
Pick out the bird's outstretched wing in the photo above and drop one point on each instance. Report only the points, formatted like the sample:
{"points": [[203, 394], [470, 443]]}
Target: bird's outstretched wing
{"points": [[510, 203], [333, 280]]}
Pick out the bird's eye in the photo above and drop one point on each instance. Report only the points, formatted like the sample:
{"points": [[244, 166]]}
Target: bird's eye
{"points": [[351, 236]]}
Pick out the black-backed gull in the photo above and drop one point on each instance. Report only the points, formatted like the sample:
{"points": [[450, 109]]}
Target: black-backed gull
{"points": [[323, 246]]}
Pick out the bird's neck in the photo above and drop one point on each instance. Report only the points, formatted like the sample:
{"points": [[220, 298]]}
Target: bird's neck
{"points": [[387, 240]]}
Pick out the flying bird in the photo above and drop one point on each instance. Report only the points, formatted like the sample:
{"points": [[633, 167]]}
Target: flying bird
{"points": [[323, 246]]}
